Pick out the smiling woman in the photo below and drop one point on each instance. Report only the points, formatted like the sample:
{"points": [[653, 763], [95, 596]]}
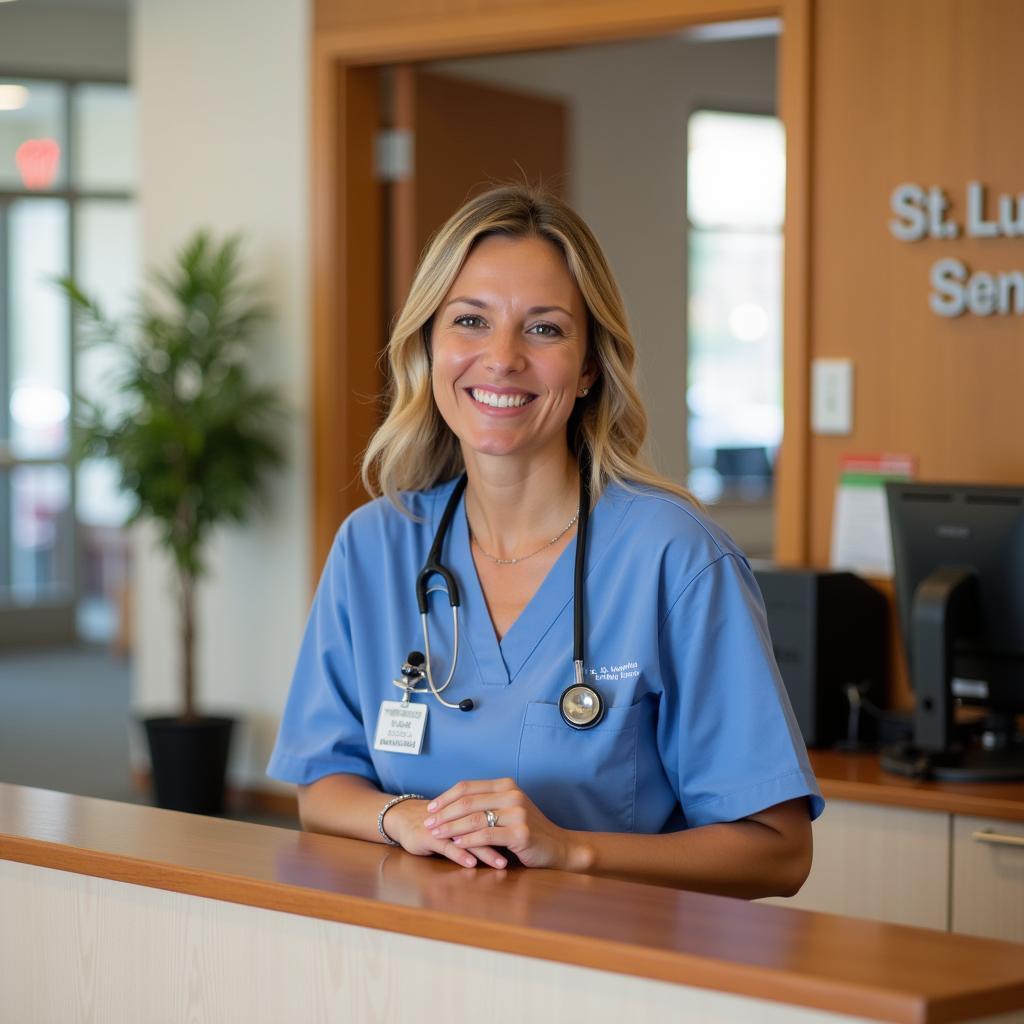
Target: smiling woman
{"points": [[510, 466]]}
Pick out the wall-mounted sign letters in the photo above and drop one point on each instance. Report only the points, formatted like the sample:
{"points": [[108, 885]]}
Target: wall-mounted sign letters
{"points": [[924, 213]]}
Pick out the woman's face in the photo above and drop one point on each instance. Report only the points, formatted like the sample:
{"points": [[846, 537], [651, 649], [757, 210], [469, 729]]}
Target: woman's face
{"points": [[509, 345]]}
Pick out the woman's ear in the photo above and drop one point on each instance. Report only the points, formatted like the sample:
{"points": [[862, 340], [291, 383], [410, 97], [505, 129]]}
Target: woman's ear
{"points": [[589, 375]]}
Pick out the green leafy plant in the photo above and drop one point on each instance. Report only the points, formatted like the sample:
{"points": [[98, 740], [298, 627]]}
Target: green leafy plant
{"points": [[191, 433]]}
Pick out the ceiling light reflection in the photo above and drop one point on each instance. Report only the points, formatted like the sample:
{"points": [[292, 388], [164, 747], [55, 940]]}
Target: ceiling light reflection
{"points": [[12, 97]]}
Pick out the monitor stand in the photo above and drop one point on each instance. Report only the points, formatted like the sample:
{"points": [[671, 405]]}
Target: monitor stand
{"points": [[946, 607]]}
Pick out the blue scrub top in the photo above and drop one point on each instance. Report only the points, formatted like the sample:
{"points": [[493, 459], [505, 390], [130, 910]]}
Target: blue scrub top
{"points": [[698, 727]]}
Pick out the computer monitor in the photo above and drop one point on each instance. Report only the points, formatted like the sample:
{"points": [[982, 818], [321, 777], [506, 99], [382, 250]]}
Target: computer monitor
{"points": [[958, 553]]}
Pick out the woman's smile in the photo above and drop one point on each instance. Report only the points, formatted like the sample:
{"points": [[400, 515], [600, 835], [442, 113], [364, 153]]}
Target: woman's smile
{"points": [[500, 400]]}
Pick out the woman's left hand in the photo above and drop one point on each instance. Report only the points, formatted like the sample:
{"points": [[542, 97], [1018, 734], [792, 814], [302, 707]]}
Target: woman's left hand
{"points": [[460, 814]]}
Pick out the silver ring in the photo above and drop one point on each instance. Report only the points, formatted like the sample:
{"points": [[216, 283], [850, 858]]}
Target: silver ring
{"points": [[492, 819]]}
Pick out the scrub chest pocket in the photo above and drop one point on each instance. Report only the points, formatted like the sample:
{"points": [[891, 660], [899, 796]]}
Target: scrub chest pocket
{"points": [[582, 778]]}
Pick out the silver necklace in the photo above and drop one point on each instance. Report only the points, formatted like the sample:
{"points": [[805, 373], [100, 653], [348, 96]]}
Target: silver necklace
{"points": [[522, 558]]}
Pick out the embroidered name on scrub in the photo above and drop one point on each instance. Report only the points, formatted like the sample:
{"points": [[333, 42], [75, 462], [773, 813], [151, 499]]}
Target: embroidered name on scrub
{"points": [[400, 727]]}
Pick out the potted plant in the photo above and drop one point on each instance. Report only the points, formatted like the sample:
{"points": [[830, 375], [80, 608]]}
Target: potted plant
{"points": [[193, 437]]}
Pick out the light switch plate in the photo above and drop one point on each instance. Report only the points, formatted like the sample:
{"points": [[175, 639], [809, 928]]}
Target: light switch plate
{"points": [[832, 396]]}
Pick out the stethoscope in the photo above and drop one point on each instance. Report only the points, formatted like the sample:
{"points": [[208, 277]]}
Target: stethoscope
{"points": [[581, 705]]}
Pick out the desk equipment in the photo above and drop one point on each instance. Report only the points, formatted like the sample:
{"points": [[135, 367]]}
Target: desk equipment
{"points": [[959, 574], [829, 633]]}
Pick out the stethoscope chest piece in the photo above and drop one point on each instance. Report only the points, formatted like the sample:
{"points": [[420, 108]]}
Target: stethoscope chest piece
{"points": [[581, 706]]}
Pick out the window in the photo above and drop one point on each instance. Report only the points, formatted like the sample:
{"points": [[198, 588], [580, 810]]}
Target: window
{"points": [[66, 207], [735, 206]]}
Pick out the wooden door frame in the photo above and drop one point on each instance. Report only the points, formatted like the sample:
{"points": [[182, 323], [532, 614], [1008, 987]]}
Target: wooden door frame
{"points": [[347, 271]]}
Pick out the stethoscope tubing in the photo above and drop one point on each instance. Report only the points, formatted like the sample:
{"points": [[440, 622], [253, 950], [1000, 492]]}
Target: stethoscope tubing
{"points": [[435, 567], [437, 690], [579, 570]]}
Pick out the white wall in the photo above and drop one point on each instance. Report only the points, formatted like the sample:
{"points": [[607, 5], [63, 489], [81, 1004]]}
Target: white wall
{"points": [[75, 40], [629, 106], [223, 110]]}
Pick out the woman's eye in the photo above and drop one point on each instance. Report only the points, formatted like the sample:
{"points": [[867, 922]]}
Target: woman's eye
{"points": [[469, 320], [545, 330]]}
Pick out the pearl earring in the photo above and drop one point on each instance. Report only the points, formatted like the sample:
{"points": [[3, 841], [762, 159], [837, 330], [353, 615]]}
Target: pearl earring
{"points": [[584, 392]]}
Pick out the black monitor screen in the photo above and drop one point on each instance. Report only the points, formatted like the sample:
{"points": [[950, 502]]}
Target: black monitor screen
{"points": [[975, 527]]}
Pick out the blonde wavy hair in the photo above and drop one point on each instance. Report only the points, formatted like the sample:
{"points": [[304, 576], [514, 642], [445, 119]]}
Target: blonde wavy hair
{"points": [[414, 449]]}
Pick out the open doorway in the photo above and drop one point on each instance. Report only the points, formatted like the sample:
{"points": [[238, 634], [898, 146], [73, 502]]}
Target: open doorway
{"points": [[612, 129]]}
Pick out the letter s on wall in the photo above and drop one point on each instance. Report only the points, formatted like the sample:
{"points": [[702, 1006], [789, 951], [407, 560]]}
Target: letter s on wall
{"points": [[947, 279], [908, 201]]}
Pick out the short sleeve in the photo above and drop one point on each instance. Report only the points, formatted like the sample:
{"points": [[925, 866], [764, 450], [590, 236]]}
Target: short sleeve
{"points": [[322, 730], [727, 736]]}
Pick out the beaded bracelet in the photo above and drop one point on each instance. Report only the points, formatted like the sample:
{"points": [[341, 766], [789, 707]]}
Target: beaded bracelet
{"points": [[387, 807]]}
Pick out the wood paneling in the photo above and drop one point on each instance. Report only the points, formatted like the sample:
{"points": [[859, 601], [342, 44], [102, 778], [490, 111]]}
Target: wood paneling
{"points": [[403, 248], [923, 91], [795, 109], [847, 966], [470, 136], [467, 137], [342, 14], [348, 298], [900, 695], [398, 30]]}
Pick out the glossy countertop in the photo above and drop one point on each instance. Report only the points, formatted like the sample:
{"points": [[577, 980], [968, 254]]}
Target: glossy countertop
{"points": [[862, 968], [859, 777]]}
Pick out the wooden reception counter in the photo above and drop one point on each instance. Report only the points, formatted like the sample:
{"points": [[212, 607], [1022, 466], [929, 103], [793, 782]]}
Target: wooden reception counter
{"points": [[114, 911], [859, 777]]}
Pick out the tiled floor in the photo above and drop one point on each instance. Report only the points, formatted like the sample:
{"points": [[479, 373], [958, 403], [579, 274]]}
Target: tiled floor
{"points": [[64, 724]]}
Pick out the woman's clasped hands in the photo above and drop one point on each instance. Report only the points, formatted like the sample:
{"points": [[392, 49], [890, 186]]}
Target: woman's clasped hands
{"points": [[455, 825]]}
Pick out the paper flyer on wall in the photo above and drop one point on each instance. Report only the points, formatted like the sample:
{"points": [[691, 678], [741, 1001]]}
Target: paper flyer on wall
{"points": [[861, 541]]}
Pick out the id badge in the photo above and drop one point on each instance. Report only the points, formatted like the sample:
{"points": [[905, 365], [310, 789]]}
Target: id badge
{"points": [[400, 727]]}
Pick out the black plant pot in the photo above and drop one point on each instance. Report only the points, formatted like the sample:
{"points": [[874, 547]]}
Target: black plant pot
{"points": [[189, 760]]}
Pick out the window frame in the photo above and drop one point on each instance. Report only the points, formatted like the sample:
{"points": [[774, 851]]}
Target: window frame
{"points": [[54, 619]]}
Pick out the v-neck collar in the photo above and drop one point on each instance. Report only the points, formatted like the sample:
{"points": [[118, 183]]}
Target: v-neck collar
{"points": [[499, 662]]}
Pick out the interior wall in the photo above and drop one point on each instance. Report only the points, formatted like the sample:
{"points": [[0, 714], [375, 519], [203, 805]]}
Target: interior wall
{"points": [[74, 40], [927, 92], [224, 142], [629, 106]]}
